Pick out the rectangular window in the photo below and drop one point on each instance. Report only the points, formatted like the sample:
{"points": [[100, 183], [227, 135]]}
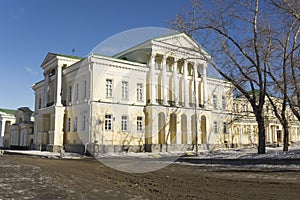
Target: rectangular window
{"points": [[75, 124], [109, 87], [84, 89], [124, 90], [215, 127], [244, 107], [224, 127], [70, 94], [83, 123], [223, 102], [108, 122], [124, 123], [139, 91], [139, 123], [68, 124], [40, 103], [215, 101], [234, 107], [76, 91]]}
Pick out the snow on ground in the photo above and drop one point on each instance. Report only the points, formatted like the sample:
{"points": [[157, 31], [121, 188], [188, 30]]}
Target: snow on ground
{"points": [[228, 153], [248, 153]]}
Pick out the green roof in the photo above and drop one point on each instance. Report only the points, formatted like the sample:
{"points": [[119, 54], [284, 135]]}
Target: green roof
{"points": [[69, 56], [8, 111]]}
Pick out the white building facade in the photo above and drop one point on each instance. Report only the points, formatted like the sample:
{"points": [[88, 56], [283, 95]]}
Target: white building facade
{"points": [[6, 119], [153, 97]]}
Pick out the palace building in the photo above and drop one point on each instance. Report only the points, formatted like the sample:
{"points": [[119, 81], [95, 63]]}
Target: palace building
{"points": [[156, 96]]}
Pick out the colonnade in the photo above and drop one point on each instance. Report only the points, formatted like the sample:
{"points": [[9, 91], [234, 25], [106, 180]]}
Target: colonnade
{"points": [[176, 81], [56, 89]]}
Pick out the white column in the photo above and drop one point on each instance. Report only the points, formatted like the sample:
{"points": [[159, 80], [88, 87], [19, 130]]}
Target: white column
{"points": [[164, 80], [205, 99], [186, 87], [2, 132], [196, 84], [58, 85], [241, 135], [251, 134], [46, 84], [296, 132], [175, 83], [152, 79], [189, 130]]}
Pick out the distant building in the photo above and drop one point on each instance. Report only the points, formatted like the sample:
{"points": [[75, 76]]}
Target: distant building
{"points": [[21, 132], [6, 119], [244, 130]]}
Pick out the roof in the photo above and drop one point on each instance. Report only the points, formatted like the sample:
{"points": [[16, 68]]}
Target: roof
{"points": [[50, 56], [8, 111]]}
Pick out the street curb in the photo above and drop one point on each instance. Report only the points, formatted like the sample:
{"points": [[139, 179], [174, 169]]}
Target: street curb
{"points": [[246, 161]]}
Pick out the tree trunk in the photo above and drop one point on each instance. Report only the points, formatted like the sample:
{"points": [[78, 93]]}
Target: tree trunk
{"points": [[285, 138], [261, 135]]}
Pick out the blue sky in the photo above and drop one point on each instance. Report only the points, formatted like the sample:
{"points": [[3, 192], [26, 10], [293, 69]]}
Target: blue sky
{"points": [[29, 29]]}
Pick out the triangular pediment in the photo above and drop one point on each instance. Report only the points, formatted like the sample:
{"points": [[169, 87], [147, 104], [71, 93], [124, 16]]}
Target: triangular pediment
{"points": [[179, 40], [48, 58]]}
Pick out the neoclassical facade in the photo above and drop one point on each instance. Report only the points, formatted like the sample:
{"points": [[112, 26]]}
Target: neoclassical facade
{"points": [[244, 129], [7, 118], [21, 132], [156, 96]]}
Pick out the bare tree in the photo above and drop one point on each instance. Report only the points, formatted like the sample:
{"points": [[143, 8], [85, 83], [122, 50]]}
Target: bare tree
{"points": [[236, 34], [283, 68]]}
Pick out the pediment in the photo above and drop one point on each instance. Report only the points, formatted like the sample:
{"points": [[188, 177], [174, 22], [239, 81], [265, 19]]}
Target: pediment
{"points": [[48, 58], [179, 40]]}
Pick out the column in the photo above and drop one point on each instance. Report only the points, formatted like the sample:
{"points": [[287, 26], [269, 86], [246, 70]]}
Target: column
{"points": [[152, 79], [241, 134], [251, 134], [175, 83], [58, 85], [186, 88], [297, 138], [195, 84], [46, 83], [2, 132], [164, 80], [205, 99]]}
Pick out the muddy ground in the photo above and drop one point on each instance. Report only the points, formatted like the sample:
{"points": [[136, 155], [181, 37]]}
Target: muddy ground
{"points": [[23, 177]]}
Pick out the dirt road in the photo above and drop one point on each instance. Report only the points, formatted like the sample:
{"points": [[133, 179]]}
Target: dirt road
{"points": [[25, 177]]}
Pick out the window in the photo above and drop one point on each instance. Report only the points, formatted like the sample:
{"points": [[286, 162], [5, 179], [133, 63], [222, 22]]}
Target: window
{"points": [[139, 123], [124, 90], [68, 124], [84, 89], [76, 91], [75, 124], [83, 123], [109, 86], [235, 107], [224, 127], [139, 91], [108, 122], [40, 103], [244, 107], [223, 102], [215, 101], [70, 94], [124, 123], [215, 127]]}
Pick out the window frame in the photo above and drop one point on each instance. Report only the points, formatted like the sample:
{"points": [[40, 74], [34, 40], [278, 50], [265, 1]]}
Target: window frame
{"points": [[109, 88]]}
